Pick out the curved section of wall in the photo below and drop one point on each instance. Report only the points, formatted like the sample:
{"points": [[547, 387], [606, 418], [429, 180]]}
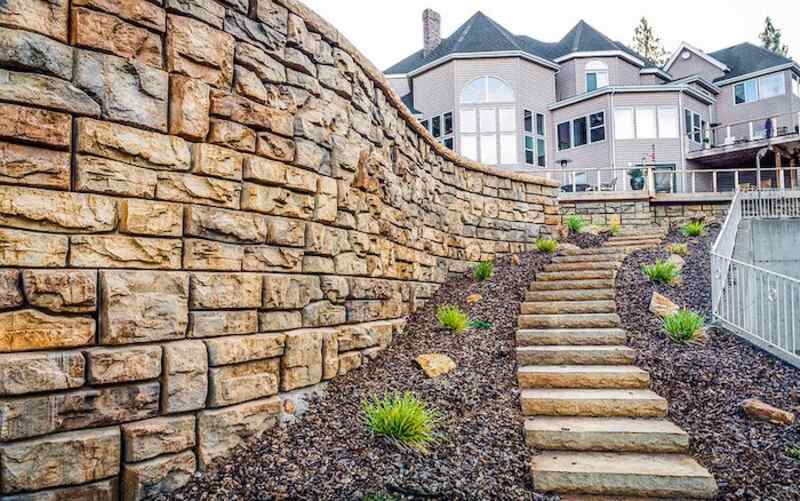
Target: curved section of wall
{"points": [[204, 207]]}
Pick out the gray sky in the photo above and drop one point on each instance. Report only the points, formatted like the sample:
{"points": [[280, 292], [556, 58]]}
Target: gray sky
{"points": [[387, 31]]}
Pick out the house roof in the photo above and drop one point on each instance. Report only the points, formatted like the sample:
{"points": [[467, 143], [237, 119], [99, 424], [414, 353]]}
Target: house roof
{"points": [[408, 100], [481, 34], [747, 58]]}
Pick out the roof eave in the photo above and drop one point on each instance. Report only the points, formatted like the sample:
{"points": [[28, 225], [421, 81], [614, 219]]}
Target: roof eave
{"points": [[622, 89], [747, 76], [656, 71], [482, 55], [602, 53], [687, 46]]}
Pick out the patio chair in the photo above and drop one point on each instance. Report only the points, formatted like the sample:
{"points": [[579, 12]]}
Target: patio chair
{"points": [[609, 186]]}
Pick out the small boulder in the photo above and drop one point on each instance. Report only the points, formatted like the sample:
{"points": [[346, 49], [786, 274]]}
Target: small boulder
{"points": [[757, 409], [515, 260], [568, 246], [678, 261], [435, 364], [474, 298], [662, 306]]}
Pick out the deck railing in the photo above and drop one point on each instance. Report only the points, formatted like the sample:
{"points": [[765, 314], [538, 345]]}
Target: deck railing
{"points": [[775, 125], [753, 302]]}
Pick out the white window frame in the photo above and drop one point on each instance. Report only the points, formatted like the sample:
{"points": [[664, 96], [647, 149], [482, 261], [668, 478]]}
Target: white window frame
{"points": [[632, 110], [676, 111], [796, 85], [589, 141], [604, 126], [496, 108], [758, 89], [427, 123], [695, 129], [486, 79], [596, 68], [535, 136], [642, 109]]}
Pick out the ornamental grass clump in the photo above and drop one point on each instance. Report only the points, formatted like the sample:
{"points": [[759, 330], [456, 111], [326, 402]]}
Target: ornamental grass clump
{"points": [[679, 249], [614, 229], [694, 229], [453, 318], [546, 245], [402, 418], [483, 271], [685, 326], [793, 452], [662, 272], [575, 224]]}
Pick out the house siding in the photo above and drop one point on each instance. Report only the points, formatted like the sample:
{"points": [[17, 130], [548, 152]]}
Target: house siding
{"points": [[400, 85], [728, 112], [566, 83], [433, 90], [597, 155], [695, 65]]}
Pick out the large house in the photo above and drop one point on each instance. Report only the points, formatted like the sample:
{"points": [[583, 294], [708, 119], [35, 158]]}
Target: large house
{"points": [[592, 107]]}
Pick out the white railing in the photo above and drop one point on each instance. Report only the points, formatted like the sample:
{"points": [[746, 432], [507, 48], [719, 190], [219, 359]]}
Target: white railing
{"points": [[618, 179], [755, 303], [752, 129]]}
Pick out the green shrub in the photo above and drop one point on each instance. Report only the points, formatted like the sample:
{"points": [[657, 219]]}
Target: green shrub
{"points": [[694, 229], [793, 452], [546, 245], [483, 270], [679, 249], [453, 318], [575, 224], [684, 326], [661, 272], [614, 229], [402, 418], [482, 325]]}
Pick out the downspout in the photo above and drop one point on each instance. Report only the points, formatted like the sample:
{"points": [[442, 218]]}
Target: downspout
{"points": [[761, 153], [613, 135]]}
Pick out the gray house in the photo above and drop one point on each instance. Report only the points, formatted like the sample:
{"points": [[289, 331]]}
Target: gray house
{"points": [[591, 110]]}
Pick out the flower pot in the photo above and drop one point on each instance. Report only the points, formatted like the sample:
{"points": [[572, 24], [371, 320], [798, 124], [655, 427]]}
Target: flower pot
{"points": [[637, 183]]}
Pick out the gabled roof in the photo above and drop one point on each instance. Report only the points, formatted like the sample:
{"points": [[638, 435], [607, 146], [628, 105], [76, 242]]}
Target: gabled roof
{"points": [[747, 58], [684, 46], [481, 34]]}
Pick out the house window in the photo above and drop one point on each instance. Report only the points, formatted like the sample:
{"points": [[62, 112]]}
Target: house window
{"points": [[597, 126], [646, 123], [533, 142], [624, 124], [540, 124], [596, 75], [564, 136], [426, 124], [668, 127], [796, 85], [436, 127], [694, 126], [759, 88], [489, 127], [441, 127], [582, 131], [542, 156]]}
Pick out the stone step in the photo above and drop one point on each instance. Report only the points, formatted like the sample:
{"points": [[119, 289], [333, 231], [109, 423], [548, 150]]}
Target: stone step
{"points": [[591, 251], [586, 321], [571, 295], [571, 337], [589, 258], [632, 243], [556, 307], [593, 403], [605, 435], [575, 355], [550, 276], [622, 474], [647, 236], [614, 377], [583, 266], [604, 283]]}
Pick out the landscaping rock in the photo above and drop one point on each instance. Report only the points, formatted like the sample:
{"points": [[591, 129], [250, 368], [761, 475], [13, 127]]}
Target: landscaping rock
{"points": [[435, 364], [677, 261], [764, 412], [474, 298], [661, 305]]}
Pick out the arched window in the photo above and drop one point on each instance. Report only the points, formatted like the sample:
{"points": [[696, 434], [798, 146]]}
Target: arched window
{"points": [[488, 122], [596, 75]]}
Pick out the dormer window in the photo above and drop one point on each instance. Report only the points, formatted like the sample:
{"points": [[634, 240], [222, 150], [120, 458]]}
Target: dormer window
{"points": [[596, 75]]}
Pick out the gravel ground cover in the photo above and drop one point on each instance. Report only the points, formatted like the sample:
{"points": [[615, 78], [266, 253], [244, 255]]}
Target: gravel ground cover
{"points": [[705, 384], [587, 240], [481, 452]]}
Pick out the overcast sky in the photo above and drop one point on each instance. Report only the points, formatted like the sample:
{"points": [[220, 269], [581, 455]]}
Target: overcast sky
{"points": [[387, 31]]}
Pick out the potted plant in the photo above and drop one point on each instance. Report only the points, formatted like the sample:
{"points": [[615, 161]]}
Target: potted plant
{"points": [[637, 179]]}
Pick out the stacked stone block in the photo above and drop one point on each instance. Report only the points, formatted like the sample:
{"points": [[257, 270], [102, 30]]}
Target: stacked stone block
{"points": [[205, 207], [645, 212]]}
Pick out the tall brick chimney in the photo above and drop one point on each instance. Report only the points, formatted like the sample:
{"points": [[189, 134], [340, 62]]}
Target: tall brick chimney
{"points": [[431, 30]]}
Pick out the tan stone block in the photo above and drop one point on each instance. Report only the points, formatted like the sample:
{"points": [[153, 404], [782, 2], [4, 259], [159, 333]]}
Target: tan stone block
{"points": [[30, 330], [330, 354], [214, 256], [128, 91], [225, 225], [217, 291], [144, 217], [196, 50], [133, 146], [159, 476], [29, 51], [274, 321], [25, 248], [265, 171], [349, 361], [234, 384], [38, 372], [284, 292], [350, 264], [142, 12], [104, 490], [101, 175], [266, 258], [320, 239], [27, 165], [272, 14], [210, 12], [323, 314], [46, 91], [211, 160], [327, 200], [61, 291], [189, 108], [141, 306], [248, 84], [124, 252], [222, 323], [232, 135], [56, 211], [258, 116], [32, 125], [277, 201], [94, 30], [189, 188], [154, 437], [302, 360], [287, 232], [276, 147], [336, 289], [239, 349], [220, 431], [265, 66], [184, 384], [86, 408], [64, 459], [318, 264], [123, 365], [10, 289], [42, 16]]}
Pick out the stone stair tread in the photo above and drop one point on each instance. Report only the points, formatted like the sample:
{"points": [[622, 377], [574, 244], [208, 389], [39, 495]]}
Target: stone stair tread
{"points": [[600, 434], [555, 307], [583, 266], [593, 402], [582, 376], [629, 242], [571, 337], [589, 258], [565, 321], [575, 355], [636, 474], [651, 236], [592, 251], [605, 283], [574, 275], [570, 295]]}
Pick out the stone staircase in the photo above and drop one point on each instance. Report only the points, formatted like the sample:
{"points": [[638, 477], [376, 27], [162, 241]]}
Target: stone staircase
{"points": [[600, 431]]}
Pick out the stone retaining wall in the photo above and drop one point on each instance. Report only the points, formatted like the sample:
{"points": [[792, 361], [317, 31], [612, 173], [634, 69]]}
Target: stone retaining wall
{"points": [[642, 211], [204, 207]]}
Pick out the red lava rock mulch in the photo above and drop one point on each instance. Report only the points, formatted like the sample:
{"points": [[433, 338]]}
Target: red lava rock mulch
{"points": [[328, 454], [706, 384], [587, 240]]}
